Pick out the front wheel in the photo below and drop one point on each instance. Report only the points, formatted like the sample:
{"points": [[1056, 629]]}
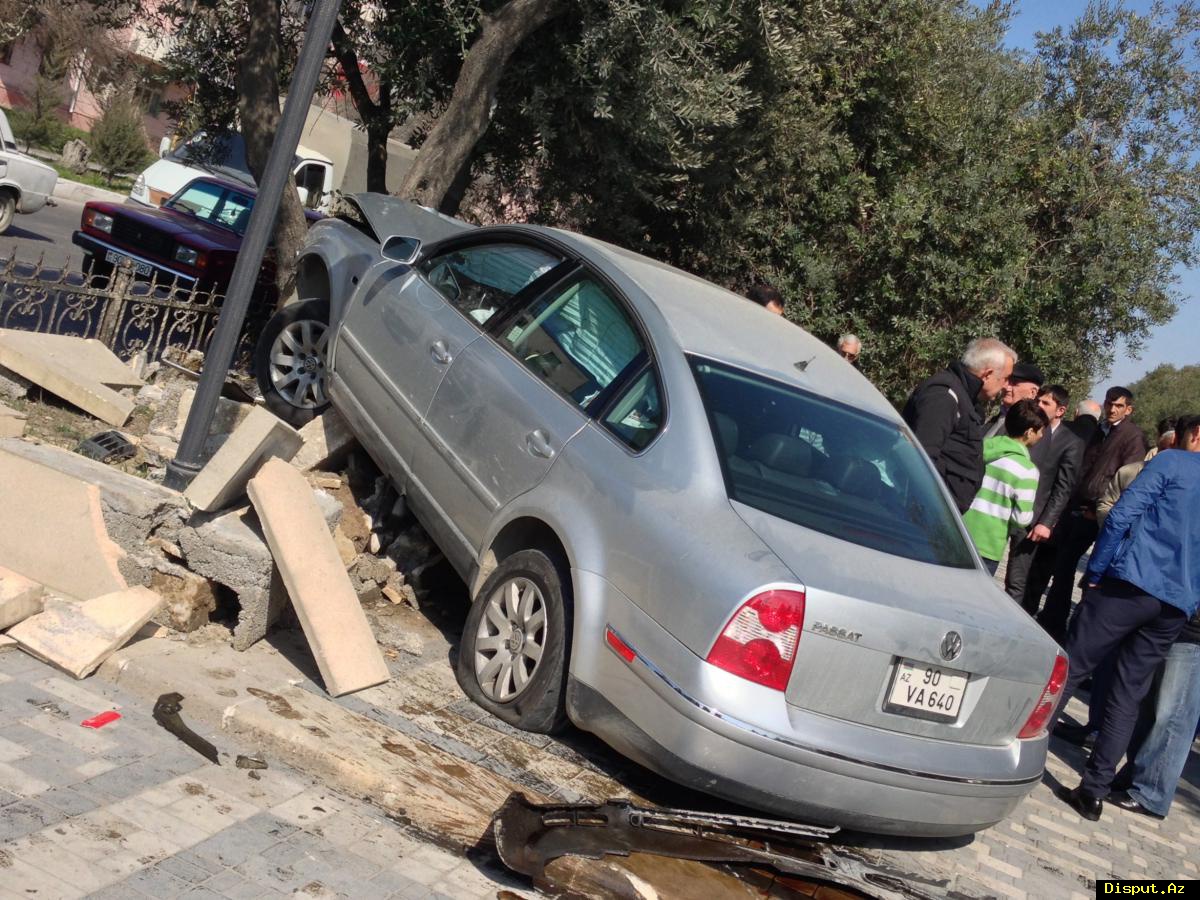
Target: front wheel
{"points": [[290, 361], [513, 657], [8, 209]]}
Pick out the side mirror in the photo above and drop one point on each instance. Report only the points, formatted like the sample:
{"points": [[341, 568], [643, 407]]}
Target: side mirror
{"points": [[400, 249]]}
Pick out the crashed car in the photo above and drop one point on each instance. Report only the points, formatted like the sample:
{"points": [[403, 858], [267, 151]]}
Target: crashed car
{"points": [[686, 526], [25, 183]]}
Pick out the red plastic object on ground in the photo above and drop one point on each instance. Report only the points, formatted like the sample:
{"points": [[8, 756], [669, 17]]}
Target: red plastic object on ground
{"points": [[101, 720]]}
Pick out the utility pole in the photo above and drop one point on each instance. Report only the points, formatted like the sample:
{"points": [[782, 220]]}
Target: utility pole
{"points": [[276, 178]]}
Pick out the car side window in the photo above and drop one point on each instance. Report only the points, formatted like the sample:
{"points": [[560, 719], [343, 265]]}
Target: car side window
{"points": [[577, 340], [480, 280], [637, 415]]}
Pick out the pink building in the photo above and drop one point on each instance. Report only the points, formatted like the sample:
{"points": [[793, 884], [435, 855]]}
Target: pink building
{"points": [[20, 59]]}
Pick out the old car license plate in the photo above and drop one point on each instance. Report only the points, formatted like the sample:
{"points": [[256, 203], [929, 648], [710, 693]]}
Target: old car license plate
{"points": [[117, 258], [926, 691]]}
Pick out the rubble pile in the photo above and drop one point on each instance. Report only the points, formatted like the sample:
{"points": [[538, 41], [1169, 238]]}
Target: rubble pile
{"points": [[142, 553]]}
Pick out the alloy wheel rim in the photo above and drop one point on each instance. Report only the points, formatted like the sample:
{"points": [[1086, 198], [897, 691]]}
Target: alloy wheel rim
{"points": [[510, 640], [298, 363]]}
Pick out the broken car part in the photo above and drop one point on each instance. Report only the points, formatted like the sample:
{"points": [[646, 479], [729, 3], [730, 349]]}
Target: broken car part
{"points": [[529, 836], [166, 714], [107, 447]]}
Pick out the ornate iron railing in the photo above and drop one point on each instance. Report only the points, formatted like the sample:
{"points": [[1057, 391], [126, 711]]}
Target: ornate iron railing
{"points": [[127, 313]]}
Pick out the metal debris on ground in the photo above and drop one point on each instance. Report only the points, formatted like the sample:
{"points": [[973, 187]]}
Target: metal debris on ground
{"points": [[107, 447], [250, 762], [166, 714], [530, 836], [101, 720], [49, 706]]}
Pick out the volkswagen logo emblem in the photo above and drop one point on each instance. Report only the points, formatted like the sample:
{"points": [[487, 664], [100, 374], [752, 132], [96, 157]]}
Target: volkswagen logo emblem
{"points": [[951, 645]]}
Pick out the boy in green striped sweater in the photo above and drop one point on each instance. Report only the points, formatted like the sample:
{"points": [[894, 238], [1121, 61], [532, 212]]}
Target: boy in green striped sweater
{"points": [[1004, 503]]}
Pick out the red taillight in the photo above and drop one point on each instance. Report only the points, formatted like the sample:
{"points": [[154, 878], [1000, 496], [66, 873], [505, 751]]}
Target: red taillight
{"points": [[759, 642], [1039, 719], [623, 649]]}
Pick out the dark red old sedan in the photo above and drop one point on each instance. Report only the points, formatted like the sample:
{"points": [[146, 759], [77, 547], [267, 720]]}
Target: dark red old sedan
{"points": [[193, 237]]}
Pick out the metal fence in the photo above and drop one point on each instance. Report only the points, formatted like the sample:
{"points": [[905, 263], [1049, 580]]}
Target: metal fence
{"points": [[126, 313]]}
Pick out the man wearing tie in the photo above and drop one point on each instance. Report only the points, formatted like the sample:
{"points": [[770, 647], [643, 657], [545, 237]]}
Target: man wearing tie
{"points": [[1058, 457]]}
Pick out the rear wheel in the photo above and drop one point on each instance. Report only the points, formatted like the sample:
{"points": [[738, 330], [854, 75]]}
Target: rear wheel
{"points": [[513, 657], [290, 359], [8, 209]]}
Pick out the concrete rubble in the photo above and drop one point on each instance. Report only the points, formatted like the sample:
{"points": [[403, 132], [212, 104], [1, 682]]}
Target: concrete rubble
{"points": [[259, 437], [20, 598], [327, 442]]}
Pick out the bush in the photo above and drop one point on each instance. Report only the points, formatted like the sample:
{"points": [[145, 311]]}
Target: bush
{"points": [[118, 139]]}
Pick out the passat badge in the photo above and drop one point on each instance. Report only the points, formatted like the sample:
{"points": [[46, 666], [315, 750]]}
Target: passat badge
{"points": [[951, 645], [842, 634]]}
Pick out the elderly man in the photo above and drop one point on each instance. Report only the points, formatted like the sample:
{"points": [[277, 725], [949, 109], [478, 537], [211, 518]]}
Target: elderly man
{"points": [[1058, 456], [945, 414], [849, 347], [1143, 585], [1087, 419], [1024, 383], [767, 297], [1116, 443]]}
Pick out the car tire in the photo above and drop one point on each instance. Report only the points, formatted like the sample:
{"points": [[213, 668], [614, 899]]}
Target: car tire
{"points": [[290, 359], [529, 584], [8, 209]]}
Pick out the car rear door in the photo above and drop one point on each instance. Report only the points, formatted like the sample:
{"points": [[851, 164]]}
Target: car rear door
{"points": [[512, 401]]}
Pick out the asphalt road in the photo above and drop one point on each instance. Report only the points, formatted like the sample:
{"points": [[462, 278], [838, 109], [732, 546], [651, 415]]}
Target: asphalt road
{"points": [[46, 234]]}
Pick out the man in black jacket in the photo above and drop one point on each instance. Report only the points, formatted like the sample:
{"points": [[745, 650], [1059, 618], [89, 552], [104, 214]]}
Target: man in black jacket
{"points": [[1058, 456], [945, 413]]}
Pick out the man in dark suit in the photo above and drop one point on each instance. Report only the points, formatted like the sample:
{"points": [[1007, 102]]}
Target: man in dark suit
{"points": [[1117, 442], [1087, 420], [1023, 384], [1057, 456]]}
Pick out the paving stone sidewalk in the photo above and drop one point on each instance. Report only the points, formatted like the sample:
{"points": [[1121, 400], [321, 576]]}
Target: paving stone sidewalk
{"points": [[127, 811]]}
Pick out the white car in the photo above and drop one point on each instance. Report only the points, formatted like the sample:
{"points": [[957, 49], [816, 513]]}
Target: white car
{"points": [[312, 171], [25, 183]]}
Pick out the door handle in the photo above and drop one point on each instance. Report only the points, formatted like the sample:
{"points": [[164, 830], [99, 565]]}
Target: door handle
{"points": [[439, 353], [539, 445]]}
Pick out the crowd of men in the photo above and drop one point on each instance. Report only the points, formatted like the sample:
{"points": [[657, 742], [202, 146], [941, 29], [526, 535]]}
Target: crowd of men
{"points": [[1045, 490]]}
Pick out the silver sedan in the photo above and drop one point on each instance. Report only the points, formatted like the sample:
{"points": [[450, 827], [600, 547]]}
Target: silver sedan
{"points": [[687, 526]]}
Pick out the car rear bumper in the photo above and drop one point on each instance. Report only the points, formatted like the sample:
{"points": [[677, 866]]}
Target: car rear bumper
{"points": [[820, 770], [99, 249]]}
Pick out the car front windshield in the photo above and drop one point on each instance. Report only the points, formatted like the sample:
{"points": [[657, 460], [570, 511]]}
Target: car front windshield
{"points": [[215, 204], [828, 467]]}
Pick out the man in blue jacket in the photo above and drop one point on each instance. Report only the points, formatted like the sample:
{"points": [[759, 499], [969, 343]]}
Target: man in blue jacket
{"points": [[1143, 583]]}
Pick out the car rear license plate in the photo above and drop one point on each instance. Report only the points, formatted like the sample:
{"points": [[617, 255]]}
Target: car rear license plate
{"points": [[926, 691], [117, 258]]}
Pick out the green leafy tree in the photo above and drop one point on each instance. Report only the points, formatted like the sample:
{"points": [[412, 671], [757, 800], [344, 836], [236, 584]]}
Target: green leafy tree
{"points": [[1165, 391], [119, 139]]}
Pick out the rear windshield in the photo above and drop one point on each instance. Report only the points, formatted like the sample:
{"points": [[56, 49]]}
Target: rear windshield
{"points": [[828, 467]]}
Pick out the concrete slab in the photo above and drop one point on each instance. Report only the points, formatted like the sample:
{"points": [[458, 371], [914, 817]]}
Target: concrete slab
{"points": [[78, 639], [20, 598], [327, 441], [12, 423], [226, 418], [53, 370], [7, 643], [260, 436], [333, 620], [45, 513], [86, 356]]}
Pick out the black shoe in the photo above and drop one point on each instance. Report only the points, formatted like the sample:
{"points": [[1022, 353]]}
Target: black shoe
{"points": [[1087, 807], [1129, 804], [1074, 734]]}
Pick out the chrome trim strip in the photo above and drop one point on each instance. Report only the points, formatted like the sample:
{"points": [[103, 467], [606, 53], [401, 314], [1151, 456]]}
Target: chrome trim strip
{"points": [[778, 738], [141, 259]]}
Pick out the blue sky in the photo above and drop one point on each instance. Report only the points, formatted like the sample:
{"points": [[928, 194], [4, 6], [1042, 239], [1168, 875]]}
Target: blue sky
{"points": [[1174, 342]]}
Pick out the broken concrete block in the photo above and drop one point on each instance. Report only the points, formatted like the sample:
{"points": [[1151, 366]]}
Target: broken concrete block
{"points": [[86, 357], [260, 437], [12, 385], [7, 643], [77, 639], [333, 620], [228, 415], [138, 363], [52, 529], [54, 370], [327, 441], [188, 600], [345, 547], [12, 423], [20, 598]]}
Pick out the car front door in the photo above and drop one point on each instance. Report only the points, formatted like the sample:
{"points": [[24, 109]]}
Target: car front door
{"points": [[512, 401]]}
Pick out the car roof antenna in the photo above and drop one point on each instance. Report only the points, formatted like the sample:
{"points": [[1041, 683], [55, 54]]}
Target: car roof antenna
{"points": [[801, 365]]}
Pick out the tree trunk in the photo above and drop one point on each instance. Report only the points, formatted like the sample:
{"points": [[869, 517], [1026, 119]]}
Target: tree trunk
{"points": [[258, 112], [376, 115], [450, 144]]}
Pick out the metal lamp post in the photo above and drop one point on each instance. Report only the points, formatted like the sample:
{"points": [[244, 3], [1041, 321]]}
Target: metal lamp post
{"points": [[188, 460]]}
